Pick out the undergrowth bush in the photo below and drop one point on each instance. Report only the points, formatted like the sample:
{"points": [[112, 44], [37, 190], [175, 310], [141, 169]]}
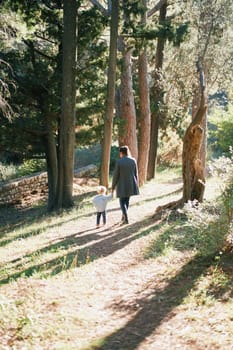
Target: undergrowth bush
{"points": [[170, 150], [220, 134], [7, 171], [31, 166], [10, 171], [223, 167], [203, 228], [227, 198], [213, 221], [207, 224]]}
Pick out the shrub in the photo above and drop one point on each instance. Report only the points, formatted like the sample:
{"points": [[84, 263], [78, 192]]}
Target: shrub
{"points": [[170, 150], [223, 167], [31, 166], [7, 171], [221, 132], [207, 224], [10, 171], [113, 157], [213, 221]]}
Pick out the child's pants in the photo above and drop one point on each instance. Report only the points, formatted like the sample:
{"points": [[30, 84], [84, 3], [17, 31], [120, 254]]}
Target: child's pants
{"points": [[99, 214]]}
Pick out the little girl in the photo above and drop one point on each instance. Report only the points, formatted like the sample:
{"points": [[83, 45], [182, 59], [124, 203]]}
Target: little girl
{"points": [[100, 202]]}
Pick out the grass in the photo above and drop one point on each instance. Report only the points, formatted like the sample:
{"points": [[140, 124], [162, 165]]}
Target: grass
{"points": [[51, 256], [53, 298]]}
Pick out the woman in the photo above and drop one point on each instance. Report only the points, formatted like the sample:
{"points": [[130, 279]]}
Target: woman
{"points": [[125, 180]]}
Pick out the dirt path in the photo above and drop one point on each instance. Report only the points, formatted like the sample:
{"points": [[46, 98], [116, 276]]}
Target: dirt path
{"points": [[119, 301]]}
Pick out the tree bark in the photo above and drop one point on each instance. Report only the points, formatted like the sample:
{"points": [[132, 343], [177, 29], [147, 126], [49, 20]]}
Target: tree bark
{"points": [[127, 134], [144, 118], [108, 122], [195, 104], [192, 166], [157, 99], [66, 130], [51, 160], [192, 169]]}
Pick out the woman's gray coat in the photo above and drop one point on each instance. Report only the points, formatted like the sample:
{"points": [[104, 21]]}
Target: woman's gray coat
{"points": [[125, 177]]}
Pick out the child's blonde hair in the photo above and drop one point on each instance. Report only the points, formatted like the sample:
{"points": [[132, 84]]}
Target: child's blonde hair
{"points": [[102, 189]]}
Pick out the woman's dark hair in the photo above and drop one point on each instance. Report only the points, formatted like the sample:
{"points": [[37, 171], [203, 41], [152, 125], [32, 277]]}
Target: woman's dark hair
{"points": [[124, 150]]}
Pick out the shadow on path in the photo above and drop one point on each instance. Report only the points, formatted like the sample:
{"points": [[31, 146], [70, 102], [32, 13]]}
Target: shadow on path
{"points": [[104, 243], [157, 308], [12, 218]]}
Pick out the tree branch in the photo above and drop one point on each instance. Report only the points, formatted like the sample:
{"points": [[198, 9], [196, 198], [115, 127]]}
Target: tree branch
{"points": [[156, 8], [203, 102], [35, 132], [29, 44], [102, 9], [201, 76], [37, 35]]}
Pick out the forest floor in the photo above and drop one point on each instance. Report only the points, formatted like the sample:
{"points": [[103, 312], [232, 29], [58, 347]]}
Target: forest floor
{"points": [[66, 285]]}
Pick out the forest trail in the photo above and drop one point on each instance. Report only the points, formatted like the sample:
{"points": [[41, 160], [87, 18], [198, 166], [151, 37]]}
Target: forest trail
{"points": [[116, 299]]}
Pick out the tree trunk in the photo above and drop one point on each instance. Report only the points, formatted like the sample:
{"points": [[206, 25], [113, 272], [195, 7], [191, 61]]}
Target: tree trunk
{"points": [[192, 167], [153, 149], [157, 99], [66, 130], [127, 133], [195, 104], [51, 160], [144, 118], [108, 122]]}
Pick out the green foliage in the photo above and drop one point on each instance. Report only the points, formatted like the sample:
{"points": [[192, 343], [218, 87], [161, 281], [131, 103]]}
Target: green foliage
{"points": [[35, 57], [228, 200], [34, 61], [221, 131], [132, 10], [207, 224], [113, 157], [170, 150], [202, 228], [31, 166], [224, 167], [212, 221], [173, 33], [10, 171], [91, 79], [197, 229]]}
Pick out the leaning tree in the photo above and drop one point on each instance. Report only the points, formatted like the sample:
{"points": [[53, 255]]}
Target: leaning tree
{"points": [[211, 44], [192, 170]]}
